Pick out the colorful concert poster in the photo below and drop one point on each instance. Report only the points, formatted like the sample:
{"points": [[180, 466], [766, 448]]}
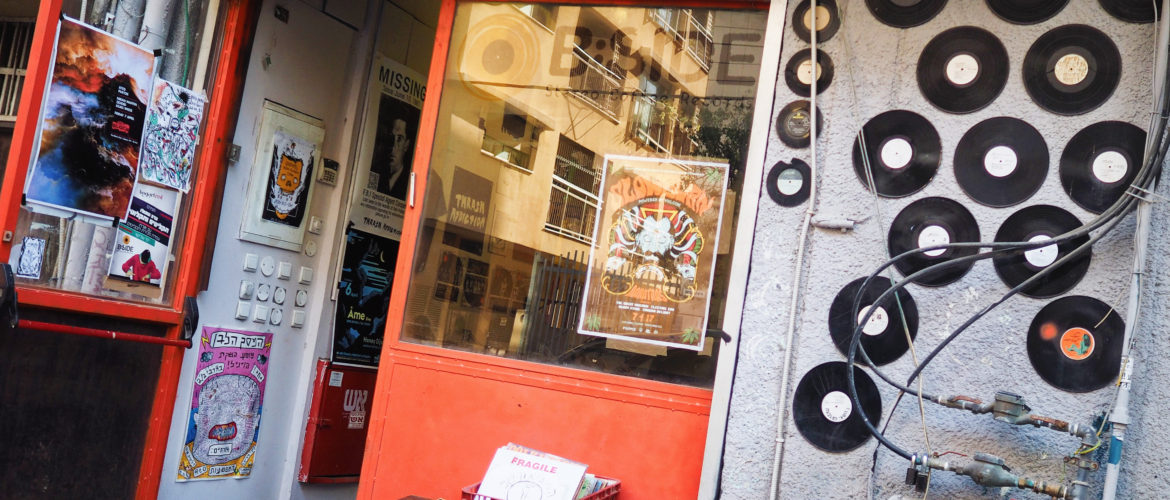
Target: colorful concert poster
{"points": [[225, 405], [650, 271], [142, 247], [288, 187], [91, 123], [172, 132], [367, 270]]}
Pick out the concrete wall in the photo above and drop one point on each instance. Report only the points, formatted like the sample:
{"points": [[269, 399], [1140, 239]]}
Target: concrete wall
{"points": [[875, 72]]}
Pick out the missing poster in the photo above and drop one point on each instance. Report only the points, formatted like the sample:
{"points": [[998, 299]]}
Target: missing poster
{"points": [[363, 298], [90, 124], [225, 405], [172, 133], [393, 113], [142, 247], [649, 275]]}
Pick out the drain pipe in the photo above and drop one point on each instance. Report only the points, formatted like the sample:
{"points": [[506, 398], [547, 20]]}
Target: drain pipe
{"points": [[798, 268], [1119, 416]]}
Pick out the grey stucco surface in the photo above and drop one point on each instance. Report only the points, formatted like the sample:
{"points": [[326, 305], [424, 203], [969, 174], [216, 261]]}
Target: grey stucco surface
{"points": [[875, 72]]}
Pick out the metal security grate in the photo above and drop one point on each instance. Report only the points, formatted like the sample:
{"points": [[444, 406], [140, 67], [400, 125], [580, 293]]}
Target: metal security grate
{"points": [[15, 40]]}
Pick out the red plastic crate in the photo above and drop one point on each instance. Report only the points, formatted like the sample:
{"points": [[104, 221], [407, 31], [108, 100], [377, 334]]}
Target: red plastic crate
{"points": [[608, 493]]}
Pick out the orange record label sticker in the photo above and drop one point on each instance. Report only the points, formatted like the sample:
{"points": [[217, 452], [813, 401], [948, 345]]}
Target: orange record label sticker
{"points": [[1077, 343]]}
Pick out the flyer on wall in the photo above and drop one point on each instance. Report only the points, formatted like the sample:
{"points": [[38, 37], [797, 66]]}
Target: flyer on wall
{"points": [[225, 404], [171, 135], [650, 274], [91, 123], [141, 250], [392, 115], [363, 298]]}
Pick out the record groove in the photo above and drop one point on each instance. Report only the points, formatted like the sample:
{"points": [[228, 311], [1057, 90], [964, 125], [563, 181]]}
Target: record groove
{"points": [[1075, 343], [1035, 224], [963, 69], [828, 20], [789, 183], [1001, 161], [905, 13], [929, 222], [884, 335], [1100, 162], [903, 150], [794, 126], [1026, 11], [824, 413], [1072, 69], [1133, 11], [798, 73]]}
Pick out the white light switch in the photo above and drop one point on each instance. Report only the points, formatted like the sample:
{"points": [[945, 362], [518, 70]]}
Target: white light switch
{"points": [[242, 310], [284, 271], [302, 298], [250, 262], [298, 319], [275, 316], [306, 276], [263, 292], [278, 295], [314, 224], [247, 288], [267, 265], [260, 314]]}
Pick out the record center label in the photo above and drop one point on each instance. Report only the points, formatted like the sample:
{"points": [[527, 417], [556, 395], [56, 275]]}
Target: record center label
{"points": [[1076, 343], [1071, 69], [962, 69], [798, 124], [1043, 256], [789, 181], [896, 153], [822, 18], [836, 406], [1000, 161], [934, 236], [877, 323], [1110, 167], [804, 72]]}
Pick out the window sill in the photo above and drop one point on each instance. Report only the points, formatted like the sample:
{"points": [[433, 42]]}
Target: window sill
{"points": [[506, 162]]}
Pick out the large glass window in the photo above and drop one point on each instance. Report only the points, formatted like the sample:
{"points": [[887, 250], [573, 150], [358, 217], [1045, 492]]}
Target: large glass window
{"points": [[583, 186]]}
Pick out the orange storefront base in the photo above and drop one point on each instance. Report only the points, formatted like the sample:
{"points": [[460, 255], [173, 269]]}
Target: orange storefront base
{"points": [[448, 415]]}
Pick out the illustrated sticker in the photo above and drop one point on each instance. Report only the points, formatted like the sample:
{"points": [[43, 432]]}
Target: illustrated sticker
{"points": [[32, 254], [292, 170], [1077, 343]]}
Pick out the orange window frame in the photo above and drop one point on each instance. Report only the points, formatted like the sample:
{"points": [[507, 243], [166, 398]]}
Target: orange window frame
{"points": [[238, 25]]}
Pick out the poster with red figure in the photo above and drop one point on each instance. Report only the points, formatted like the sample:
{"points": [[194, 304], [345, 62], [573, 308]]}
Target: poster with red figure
{"points": [[142, 247]]}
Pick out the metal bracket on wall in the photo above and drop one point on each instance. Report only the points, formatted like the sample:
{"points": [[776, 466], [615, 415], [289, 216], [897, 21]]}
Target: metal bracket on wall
{"points": [[233, 153]]}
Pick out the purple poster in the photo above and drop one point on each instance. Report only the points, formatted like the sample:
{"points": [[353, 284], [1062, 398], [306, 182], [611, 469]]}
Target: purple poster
{"points": [[225, 405]]}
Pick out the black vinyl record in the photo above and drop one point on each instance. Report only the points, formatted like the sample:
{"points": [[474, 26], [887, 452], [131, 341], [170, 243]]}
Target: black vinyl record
{"points": [[1001, 161], [1072, 69], [903, 150], [1074, 343], [929, 222], [798, 73], [905, 13], [963, 69], [1134, 11], [789, 183], [794, 124], [824, 413], [828, 20], [1026, 11], [884, 334], [1100, 162], [1034, 224]]}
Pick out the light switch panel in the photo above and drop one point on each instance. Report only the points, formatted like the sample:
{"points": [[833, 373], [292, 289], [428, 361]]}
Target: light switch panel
{"points": [[251, 260], [242, 310], [260, 314], [298, 319], [306, 275], [284, 271]]}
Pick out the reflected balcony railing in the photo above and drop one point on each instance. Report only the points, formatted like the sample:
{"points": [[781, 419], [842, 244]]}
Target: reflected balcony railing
{"points": [[688, 31], [596, 84], [507, 154], [655, 125]]}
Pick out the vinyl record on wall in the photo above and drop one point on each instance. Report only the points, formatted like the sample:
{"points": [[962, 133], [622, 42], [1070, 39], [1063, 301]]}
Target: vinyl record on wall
{"points": [[798, 73], [1037, 224], [1072, 69], [794, 124], [905, 13], [1074, 343], [1100, 162], [828, 20], [824, 413], [1026, 11], [902, 150], [962, 69], [931, 222], [789, 183], [1134, 11], [884, 334], [1001, 161]]}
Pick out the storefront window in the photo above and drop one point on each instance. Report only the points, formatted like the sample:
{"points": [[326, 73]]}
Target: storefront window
{"points": [[583, 186]]}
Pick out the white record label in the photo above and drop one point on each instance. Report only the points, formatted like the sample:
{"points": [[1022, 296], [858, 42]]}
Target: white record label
{"points": [[1071, 69], [789, 181], [896, 153], [1000, 161], [877, 323], [836, 406], [1043, 256], [1110, 167], [822, 18], [934, 236], [804, 72], [962, 69]]}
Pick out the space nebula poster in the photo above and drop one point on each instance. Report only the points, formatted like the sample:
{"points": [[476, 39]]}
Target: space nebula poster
{"points": [[650, 271], [225, 404], [91, 123]]}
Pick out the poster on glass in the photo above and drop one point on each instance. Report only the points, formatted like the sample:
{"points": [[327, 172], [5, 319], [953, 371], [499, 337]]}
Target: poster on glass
{"points": [[171, 135], [650, 271], [142, 246]]}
